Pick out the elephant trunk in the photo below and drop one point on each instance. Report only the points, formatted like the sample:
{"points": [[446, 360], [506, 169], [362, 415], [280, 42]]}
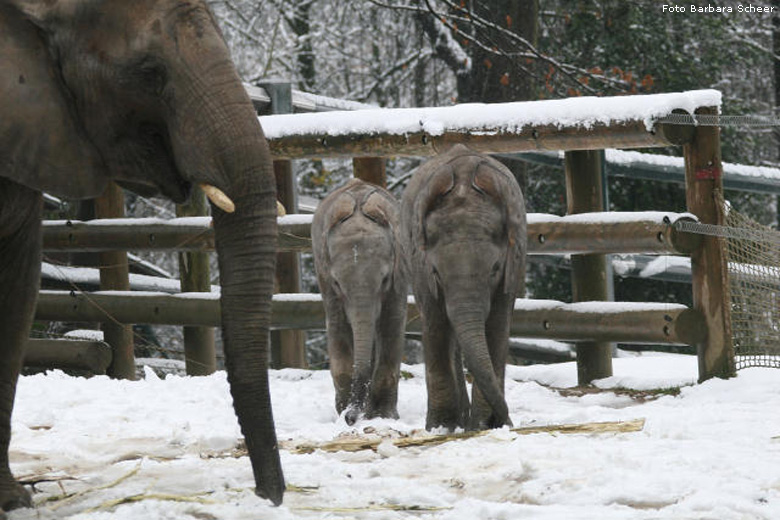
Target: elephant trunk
{"points": [[246, 252], [363, 320], [469, 326], [238, 163]]}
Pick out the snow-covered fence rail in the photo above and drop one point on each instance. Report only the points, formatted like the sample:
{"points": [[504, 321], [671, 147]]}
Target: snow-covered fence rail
{"points": [[547, 319], [567, 124], [610, 232]]}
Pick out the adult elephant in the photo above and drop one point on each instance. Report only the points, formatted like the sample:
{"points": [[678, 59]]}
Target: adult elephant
{"points": [[464, 228], [144, 93]]}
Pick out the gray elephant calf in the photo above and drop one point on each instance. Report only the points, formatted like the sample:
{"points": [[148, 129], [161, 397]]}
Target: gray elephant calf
{"points": [[464, 231], [357, 256]]}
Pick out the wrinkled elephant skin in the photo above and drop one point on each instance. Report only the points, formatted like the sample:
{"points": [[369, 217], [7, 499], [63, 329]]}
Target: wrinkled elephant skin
{"points": [[143, 93], [357, 256], [464, 233]]}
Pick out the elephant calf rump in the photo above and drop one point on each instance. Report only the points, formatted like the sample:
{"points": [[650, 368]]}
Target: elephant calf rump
{"points": [[361, 274]]}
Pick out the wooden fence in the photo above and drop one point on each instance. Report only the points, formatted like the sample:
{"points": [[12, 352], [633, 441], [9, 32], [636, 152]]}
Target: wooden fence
{"points": [[592, 323]]}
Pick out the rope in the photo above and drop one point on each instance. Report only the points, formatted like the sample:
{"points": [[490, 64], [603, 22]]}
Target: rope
{"points": [[751, 120]]}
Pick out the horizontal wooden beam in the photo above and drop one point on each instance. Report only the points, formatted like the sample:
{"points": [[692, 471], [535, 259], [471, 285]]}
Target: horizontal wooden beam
{"points": [[94, 356], [150, 234], [628, 134], [547, 234], [589, 321], [609, 232]]}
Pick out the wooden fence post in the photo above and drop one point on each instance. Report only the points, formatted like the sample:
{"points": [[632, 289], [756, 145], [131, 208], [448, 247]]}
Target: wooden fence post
{"points": [[114, 275], [370, 169], [287, 346], [704, 176], [200, 353], [589, 272]]}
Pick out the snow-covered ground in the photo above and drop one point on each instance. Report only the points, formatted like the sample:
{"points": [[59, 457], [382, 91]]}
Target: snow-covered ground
{"points": [[164, 449]]}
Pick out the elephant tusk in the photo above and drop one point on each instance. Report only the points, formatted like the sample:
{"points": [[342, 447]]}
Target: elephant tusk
{"points": [[280, 211], [218, 198]]}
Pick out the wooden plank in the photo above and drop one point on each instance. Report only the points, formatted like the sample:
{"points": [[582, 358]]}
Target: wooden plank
{"points": [[114, 275], [94, 356], [200, 352], [603, 321], [287, 346], [370, 169], [559, 236], [629, 134], [703, 176], [361, 443], [584, 193]]}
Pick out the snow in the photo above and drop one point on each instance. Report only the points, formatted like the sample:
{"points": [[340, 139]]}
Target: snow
{"points": [[203, 222], [595, 307], [710, 452], [609, 217], [87, 334], [583, 112], [629, 158], [295, 219], [87, 275], [663, 263]]}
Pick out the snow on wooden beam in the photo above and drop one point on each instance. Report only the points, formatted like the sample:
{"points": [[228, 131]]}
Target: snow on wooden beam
{"points": [[597, 321], [609, 232], [585, 123]]}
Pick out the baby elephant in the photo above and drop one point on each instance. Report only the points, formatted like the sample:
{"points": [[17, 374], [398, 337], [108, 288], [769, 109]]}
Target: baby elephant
{"points": [[464, 231], [361, 273]]}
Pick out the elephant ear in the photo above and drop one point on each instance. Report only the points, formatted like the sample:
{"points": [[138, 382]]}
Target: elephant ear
{"points": [[380, 206], [440, 184], [484, 180], [343, 208], [42, 143], [373, 207], [503, 185]]}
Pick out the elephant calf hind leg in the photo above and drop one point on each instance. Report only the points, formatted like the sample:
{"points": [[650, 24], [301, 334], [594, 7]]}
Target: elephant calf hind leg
{"points": [[383, 401]]}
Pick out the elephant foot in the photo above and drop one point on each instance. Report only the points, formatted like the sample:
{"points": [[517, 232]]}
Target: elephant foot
{"points": [[450, 421], [13, 496], [383, 411], [352, 415], [488, 423]]}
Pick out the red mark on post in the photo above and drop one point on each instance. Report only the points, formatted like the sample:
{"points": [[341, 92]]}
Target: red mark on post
{"points": [[708, 173]]}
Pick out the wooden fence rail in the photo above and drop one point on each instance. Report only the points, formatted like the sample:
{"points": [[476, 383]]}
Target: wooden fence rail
{"points": [[546, 319], [547, 234], [93, 356]]}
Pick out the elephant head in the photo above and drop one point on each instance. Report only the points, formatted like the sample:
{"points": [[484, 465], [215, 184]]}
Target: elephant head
{"points": [[144, 93], [464, 225], [357, 255]]}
